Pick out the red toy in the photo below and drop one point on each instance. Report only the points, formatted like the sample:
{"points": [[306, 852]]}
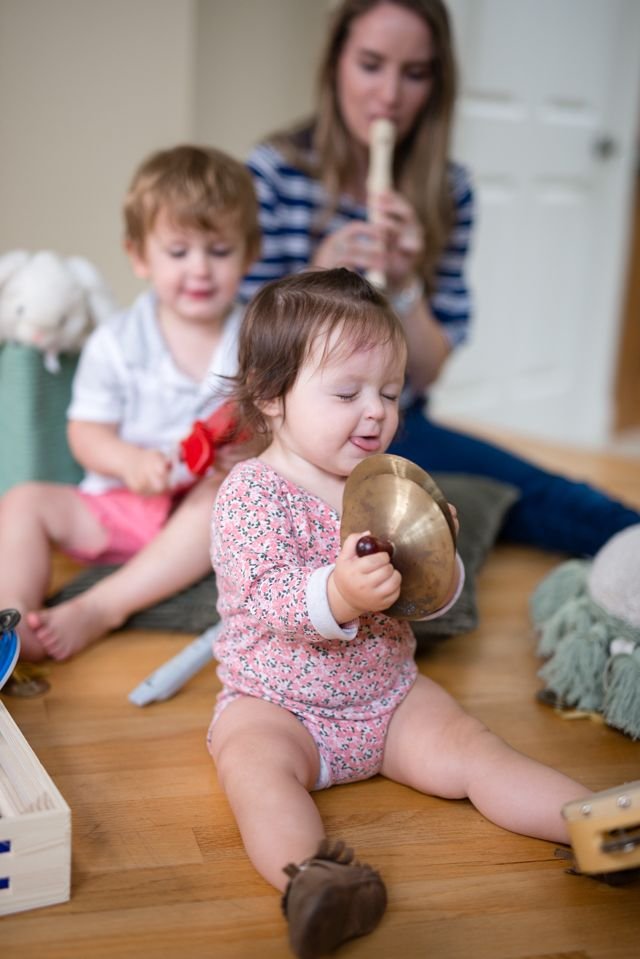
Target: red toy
{"points": [[198, 449]]}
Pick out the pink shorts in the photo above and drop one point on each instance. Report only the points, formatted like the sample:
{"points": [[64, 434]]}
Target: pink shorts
{"points": [[130, 520]]}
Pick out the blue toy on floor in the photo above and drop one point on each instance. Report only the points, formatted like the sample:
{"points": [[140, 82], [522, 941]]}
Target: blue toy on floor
{"points": [[9, 643]]}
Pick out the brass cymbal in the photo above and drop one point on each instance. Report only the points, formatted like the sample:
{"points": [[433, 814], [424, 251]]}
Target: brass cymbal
{"points": [[398, 501]]}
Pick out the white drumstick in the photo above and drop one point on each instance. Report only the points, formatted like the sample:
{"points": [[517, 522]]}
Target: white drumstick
{"points": [[381, 143], [172, 675]]}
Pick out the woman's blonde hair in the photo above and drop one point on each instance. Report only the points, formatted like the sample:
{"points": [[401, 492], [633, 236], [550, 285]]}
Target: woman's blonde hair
{"points": [[421, 160]]}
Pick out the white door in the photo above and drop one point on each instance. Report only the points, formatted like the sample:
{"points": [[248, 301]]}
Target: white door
{"points": [[547, 122]]}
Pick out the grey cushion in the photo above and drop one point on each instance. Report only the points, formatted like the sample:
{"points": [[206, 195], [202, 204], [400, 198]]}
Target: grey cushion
{"points": [[481, 504]]}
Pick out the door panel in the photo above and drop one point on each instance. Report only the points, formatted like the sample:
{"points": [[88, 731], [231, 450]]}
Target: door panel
{"points": [[547, 87]]}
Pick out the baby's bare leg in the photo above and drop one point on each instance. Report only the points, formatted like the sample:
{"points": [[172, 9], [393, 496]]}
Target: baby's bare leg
{"points": [[434, 746], [33, 517], [175, 559], [266, 763]]}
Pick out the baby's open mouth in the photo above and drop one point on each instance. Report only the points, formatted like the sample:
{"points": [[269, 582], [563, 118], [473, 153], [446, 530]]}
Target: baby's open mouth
{"points": [[367, 443]]}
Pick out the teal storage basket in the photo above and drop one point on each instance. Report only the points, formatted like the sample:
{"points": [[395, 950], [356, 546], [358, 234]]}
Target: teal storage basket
{"points": [[33, 418]]}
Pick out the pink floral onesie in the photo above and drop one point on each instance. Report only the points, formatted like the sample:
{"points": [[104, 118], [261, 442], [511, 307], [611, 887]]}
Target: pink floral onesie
{"points": [[273, 549]]}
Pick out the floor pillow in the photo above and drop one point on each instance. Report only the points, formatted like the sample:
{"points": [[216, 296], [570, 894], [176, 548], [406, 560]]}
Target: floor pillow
{"points": [[481, 504]]}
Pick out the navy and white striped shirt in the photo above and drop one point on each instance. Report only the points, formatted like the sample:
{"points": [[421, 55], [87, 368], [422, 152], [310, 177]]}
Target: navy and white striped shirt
{"points": [[291, 206]]}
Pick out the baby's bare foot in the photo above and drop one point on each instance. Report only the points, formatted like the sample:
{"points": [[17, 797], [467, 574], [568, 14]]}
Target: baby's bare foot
{"points": [[67, 629]]}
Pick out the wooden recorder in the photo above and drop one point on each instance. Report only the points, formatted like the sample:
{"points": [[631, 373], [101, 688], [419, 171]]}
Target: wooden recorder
{"points": [[381, 142]]}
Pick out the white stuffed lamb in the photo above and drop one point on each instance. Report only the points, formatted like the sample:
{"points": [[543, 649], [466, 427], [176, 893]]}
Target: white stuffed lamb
{"points": [[51, 302]]}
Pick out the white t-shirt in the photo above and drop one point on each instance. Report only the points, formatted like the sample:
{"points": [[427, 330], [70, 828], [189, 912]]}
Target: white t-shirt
{"points": [[126, 375]]}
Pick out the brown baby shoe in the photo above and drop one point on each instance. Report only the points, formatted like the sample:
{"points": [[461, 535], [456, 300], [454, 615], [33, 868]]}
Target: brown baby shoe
{"points": [[331, 898]]}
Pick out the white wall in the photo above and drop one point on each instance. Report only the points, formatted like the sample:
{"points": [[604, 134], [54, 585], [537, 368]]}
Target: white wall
{"points": [[90, 87], [255, 67]]}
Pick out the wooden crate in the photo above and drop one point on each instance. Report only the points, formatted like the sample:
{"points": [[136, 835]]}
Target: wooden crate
{"points": [[35, 828]]}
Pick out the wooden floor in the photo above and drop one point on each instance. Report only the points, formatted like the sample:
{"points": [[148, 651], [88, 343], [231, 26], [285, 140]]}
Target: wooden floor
{"points": [[158, 868]]}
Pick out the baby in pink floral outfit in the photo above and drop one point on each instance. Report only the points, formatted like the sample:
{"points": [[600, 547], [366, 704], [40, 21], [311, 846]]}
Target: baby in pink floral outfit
{"points": [[319, 685], [273, 545]]}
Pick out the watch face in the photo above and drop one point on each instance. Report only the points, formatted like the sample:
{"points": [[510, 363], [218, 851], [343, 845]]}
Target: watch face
{"points": [[9, 643]]}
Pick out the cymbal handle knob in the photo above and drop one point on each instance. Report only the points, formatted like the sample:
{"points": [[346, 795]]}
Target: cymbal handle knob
{"points": [[368, 544]]}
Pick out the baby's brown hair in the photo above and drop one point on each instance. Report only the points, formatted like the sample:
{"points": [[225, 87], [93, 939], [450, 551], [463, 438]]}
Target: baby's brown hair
{"points": [[285, 318], [198, 187]]}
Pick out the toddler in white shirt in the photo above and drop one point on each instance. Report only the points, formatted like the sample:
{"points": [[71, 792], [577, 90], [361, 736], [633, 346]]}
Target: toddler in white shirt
{"points": [[143, 379]]}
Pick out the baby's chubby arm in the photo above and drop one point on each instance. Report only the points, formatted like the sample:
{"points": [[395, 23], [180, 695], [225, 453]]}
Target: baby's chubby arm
{"points": [[98, 447], [361, 584]]}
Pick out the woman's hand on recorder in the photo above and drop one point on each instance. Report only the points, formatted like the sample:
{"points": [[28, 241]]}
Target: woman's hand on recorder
{"points": [[358, 246]]}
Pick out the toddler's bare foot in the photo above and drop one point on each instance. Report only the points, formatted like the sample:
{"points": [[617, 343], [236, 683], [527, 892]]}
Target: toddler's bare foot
{"points": [[67, 629], [31, 649]]}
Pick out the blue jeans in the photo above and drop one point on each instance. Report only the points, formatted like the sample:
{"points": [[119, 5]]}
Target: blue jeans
{"points": [[552, 513]]}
